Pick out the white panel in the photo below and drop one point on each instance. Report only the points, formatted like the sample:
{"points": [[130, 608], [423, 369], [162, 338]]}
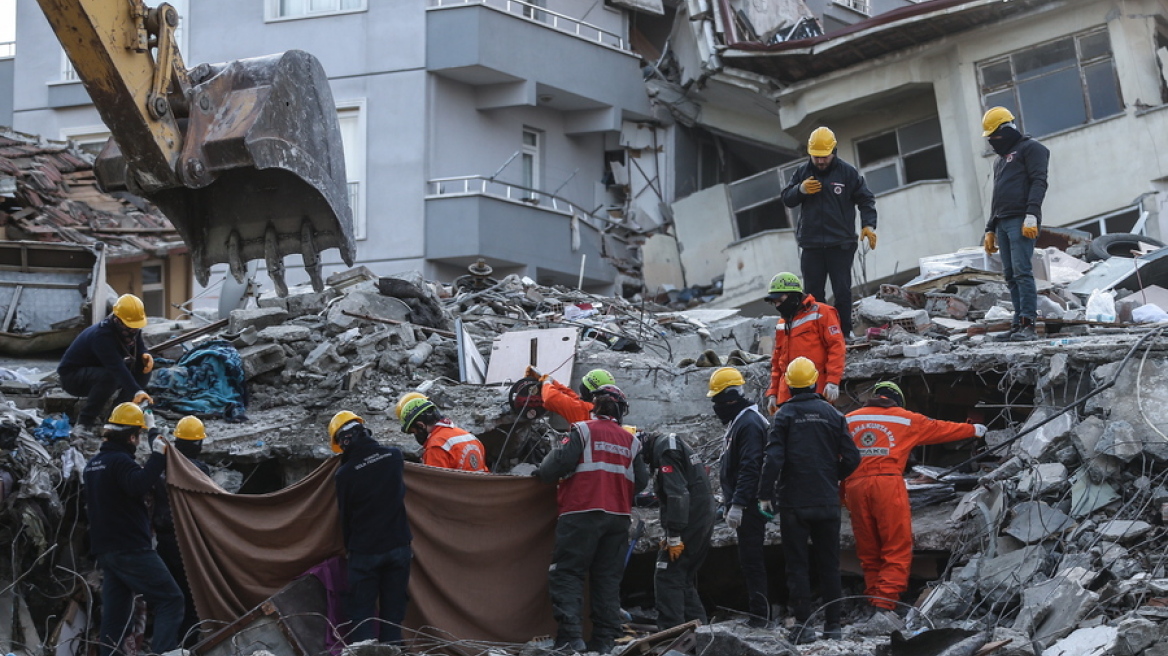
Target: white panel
{"points": [[554, 352]]}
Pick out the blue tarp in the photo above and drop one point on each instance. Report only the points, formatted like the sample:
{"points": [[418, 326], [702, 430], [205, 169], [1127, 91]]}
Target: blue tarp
{"points": [[208, 380], [54, 427]]}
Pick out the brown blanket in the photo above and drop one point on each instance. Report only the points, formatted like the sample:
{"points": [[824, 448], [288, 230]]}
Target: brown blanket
{"points": [[482, 546]]}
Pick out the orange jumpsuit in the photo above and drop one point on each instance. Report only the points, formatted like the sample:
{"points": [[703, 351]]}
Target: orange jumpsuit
{"points": [[877, 498], [814, 333], [451, 447], [563, 401]]}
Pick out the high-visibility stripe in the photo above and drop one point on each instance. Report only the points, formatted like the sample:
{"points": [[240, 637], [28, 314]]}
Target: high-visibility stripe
{"points": [[891, 419], [814, 316], [609, 467], [456, 440]]}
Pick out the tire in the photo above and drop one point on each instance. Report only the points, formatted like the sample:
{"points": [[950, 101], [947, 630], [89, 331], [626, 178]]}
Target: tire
{"points": [[1118, 245]]}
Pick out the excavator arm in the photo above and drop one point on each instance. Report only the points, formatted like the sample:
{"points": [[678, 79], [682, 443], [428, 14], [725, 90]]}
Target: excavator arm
{"points": [[245, 158]]}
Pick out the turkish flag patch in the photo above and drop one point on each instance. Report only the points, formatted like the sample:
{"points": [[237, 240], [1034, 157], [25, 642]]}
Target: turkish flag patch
{"points": [[667, 469], [565, 440], [833, 330]]}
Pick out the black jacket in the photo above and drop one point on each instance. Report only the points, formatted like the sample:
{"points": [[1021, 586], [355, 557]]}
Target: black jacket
{"points": [[1019, 182], [116, 487], [828, 218], [808, 452], [682, 485], [742, 458], [162, 516], [371, 497], [101, 345]]}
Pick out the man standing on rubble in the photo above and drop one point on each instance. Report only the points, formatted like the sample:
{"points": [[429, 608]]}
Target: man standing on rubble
{"points": [[371, 496], [189, 433], [828, 190], [1016, 214], [116, 487], [806, 328], [599, 468], [746, 434], [876, 496], [808, 453], [108, 358], [560, 398], [443, 444], [687, 516]]}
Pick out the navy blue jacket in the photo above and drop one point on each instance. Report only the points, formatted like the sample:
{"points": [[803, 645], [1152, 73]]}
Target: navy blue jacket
{"points": [[163, 516], [116, 487], [371, 496], [742, 458], [808, 452], [1019, 182], [828, 219], [101, 345]]}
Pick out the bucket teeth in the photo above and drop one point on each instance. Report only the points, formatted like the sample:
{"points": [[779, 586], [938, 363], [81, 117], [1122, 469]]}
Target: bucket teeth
{"points": [[235, 261], [312, 262], [275, 260]]}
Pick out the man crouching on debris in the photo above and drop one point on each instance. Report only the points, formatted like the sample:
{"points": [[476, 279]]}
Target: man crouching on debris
{"points": [[808, 453], [443, 444], [687, 515], [371, 499], [599, 468], [876, 496], [116, 488]]}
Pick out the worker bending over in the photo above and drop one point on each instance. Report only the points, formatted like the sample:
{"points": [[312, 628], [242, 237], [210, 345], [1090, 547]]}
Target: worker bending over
{"points": [[806, 328], [876, 495], [443, 444], [599, 468]]}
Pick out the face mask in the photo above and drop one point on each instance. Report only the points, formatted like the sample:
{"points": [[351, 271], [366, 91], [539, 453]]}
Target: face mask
{"points": [[420, 435], [1004, 140], [790, 305]]}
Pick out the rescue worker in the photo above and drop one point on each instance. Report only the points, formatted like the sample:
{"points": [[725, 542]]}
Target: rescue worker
{"points": [[108, 359], [806, 328], [443, 444], [189, 434], [1016, 214], [687, 516], [828, 190], [599, 468], [808, 453], [116, 488], [560, 398], [876, 495], [746, 434], [371, 499]]}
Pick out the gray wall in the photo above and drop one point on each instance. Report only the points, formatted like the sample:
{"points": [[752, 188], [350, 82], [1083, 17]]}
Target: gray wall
{"points": [[7, 67]]}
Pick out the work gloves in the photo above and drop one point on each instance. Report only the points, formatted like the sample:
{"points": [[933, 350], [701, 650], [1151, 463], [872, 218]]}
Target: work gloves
{"points": [[159, 445], [147, 363], [870, 235], [1030, 227], [811, 186], [734, 517], [532, 372], [979, 430], [991, 243], [772, 404], [674, 546], [831, 392], [141, 397], [766, 508]]}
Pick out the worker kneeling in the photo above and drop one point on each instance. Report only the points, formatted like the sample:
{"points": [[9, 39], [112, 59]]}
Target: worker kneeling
{"points": [[443, 444]]}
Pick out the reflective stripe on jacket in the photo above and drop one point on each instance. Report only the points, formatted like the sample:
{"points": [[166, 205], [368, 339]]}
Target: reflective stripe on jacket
{"points": [[453, 448], [887, 436], [604, 478], [814, 334]]}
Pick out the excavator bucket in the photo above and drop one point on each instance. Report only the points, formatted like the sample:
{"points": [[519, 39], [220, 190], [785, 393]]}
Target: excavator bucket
{"points": [[262, 170]]}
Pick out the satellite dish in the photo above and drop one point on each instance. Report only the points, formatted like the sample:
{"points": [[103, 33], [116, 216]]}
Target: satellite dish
{"points": [[233, 294]]}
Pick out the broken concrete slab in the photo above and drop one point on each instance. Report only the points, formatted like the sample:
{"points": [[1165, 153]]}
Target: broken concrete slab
{"points": [[1094, 641], [1119, 440], [1035, 521], [258, 318], [1043, 478], [364, 300], [1086, 436], [284, 334], [1002, 578], [1135, 635], [261, 358], [1123, 530], [324, 359], [1051, 609], [1038, 442]]}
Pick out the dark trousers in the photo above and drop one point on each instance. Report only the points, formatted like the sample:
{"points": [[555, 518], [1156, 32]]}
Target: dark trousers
{"points": [[169, 552], [676, 581], [125, 574], [819, 264], [751, 535], [591, 544], [97, 385], [819, 525], [377, 589]]}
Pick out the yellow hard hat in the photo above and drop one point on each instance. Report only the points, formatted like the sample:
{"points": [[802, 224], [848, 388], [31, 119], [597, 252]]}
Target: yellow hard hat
{"points": [[723, 378], [130, 311], [128, 414], [406, 398], [190, 428], [340, 420], [993, 119], [821, 143], [801, 373]]}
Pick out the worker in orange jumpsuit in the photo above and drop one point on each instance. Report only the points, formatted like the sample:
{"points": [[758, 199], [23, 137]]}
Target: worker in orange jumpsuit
{"points": [[443, 444], [562, 400], [876, 495], [806, 328]]}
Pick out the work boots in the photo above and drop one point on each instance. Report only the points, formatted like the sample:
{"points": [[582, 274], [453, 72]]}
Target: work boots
{"points": [[1025, 332], [1007, 336], [832, 632], [801, 634], [568, 645]]}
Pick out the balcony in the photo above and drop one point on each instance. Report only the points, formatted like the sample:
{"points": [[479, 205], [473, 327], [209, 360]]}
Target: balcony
{"points": [[519, 54], [472, 217]]}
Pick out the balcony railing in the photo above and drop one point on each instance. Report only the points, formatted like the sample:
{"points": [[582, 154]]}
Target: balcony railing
{"points": [[862, 6], [477, 185], [555, 20], [7, 49]]}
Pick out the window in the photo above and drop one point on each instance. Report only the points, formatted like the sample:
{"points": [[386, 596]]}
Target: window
{"points": [[69, 74], [90, 139], [757, 203], [903, 156], [351, 119], [860, 6], [154, 289], [1056, 85], [529, 161], [278, 9], [1118, 222]]}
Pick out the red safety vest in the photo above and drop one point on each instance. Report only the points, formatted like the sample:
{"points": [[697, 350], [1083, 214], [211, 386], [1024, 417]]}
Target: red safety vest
{"points": [[453, 448], [604, 478]]}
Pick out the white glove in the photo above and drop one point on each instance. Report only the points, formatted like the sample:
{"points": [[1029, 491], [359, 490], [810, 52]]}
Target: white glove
{"points": [[160, 445], [1030, 227], [148, 417], [831, 392], [734, 517], [772, 405], [979, 430], [765, 506]]}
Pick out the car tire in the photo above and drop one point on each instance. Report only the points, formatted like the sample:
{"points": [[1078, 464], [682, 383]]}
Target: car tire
{"points": [[1118, 245]]}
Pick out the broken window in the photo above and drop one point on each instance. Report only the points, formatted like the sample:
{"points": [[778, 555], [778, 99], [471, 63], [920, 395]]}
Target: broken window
{"points": [[757, 203], [1056, 85], [903, 156], [1120, 221], [154, 289]]}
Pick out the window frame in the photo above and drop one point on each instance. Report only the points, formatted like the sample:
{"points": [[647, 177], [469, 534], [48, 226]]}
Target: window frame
{"points": [[356, 154], [272, 11], [534, 152], [1100, 221], [155, 287], [899, 158]]}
